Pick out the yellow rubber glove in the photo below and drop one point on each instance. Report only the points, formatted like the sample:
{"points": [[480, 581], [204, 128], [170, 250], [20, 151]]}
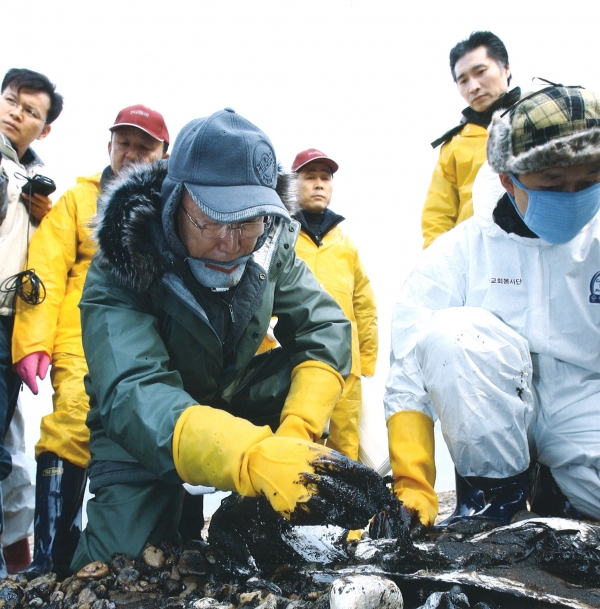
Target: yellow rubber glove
{"points": [[302, 481], [412, 452], [210, 445], [314, 392]]}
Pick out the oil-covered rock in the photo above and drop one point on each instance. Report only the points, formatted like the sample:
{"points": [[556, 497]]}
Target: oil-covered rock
{"points": [[254, 558]]}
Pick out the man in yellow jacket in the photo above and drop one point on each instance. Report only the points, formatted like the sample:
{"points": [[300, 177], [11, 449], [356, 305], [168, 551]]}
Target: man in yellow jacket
{"points": [[334, 260], [61, 251], [480, 69]]}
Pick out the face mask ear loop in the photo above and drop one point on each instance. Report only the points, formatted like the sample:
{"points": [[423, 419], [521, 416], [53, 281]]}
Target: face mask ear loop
{"points": [[516, 182]]}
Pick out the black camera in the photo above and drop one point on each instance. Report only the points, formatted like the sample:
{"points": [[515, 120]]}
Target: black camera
{"points": [[38, 184]]}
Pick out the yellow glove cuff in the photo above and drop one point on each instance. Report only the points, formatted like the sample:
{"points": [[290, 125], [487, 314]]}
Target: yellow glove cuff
{"points": [[210, 446], [412, 457], [315, 390]]}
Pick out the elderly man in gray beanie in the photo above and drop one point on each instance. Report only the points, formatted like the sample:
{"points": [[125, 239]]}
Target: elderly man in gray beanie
{"points": [[496, 332], [194, 260]]}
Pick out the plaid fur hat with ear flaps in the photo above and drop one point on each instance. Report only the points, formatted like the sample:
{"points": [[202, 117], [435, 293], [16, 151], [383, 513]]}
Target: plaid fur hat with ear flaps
{"points": [[557, 127]]}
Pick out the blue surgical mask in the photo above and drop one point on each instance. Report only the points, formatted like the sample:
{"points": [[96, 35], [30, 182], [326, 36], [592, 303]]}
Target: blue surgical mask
{"points": [[557, 217], [218, 275]]}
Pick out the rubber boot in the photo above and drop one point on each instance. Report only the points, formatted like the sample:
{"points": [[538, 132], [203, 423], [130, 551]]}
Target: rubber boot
{"points": [[547, 500], [17, 555], [504, 497], [192, 517], [469, 501], [59, 490]]}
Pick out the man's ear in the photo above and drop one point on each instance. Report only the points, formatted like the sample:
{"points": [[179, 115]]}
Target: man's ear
{"points": [[507, 183], [45, 131]]}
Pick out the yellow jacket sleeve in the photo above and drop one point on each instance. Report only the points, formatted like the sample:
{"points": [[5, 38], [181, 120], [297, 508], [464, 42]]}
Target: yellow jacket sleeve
{"points": [[60, 252], [365, 312], [449, 198]]}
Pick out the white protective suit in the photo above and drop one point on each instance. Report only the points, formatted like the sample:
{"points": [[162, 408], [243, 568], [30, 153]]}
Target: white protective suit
{"points": [[499, 336]]}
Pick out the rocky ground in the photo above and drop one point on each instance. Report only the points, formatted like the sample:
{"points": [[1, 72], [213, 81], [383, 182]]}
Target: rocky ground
{"points": [[536, 564]]}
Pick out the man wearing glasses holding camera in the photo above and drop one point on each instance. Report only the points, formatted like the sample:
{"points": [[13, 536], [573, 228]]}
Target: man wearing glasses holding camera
{"points": [[50, 331], [194, 259], [29, 105]]}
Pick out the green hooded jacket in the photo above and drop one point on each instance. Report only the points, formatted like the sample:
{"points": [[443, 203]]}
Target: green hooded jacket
{"points": [[151, 350]]}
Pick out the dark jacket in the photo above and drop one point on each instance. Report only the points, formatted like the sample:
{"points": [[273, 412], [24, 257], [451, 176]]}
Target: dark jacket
{"points": [[151, 350]]}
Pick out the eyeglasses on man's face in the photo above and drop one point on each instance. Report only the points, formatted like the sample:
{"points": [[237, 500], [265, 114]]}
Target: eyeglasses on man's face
{"points": [[12, 101], [216, 230]]}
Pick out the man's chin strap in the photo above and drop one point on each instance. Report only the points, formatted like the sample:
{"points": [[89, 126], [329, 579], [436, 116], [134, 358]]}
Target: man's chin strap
{"points": [[218, 275]]}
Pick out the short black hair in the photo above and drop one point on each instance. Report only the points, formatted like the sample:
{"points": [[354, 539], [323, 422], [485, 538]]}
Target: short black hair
{"points": [[22, 78], [495, 49]]}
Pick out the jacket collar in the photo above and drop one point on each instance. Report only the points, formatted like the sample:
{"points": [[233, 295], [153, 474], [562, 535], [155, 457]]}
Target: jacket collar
{"points": [[483, 119], [316, 231], [29, 159]]}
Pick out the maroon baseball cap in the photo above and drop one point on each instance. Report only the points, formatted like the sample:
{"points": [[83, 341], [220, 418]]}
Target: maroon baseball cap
{"points": [[310, 155], [142, 117]]}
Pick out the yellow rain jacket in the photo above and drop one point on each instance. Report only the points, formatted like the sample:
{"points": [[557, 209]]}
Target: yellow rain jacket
{"points": [[61, 251], [337, 267], [449, 200]]}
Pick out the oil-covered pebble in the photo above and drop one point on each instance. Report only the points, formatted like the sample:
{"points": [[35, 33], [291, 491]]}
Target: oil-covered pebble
{"points": [[246, 598], [365, 592], [10, 594], [103, 604], [270, 602], [94, 570], [206, 603], [154, 557], [71, 587], [87, 595], [193, 562], [128, 576], [41, 587]]}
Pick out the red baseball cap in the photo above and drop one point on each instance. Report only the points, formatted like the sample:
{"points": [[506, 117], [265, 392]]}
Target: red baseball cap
{"points": [[310, 155], [142, 117]]}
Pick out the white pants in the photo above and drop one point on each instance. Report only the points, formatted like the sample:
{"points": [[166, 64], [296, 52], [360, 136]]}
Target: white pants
{"points": [[18, 492], [497, 407]]}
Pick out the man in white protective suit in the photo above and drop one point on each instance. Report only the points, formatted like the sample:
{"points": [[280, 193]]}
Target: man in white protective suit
{"points": [[497, 329]]}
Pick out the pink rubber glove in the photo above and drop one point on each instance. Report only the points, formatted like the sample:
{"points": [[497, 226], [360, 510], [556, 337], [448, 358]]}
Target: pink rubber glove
{"points": [[33, 365]]}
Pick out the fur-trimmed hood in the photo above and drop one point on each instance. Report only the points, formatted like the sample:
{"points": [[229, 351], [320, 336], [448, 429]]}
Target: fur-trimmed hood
{"points": [[131, 241], [555, 127]]}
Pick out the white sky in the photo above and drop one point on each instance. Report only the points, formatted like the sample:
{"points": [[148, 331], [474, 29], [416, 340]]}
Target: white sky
{"points": [[367, 81]]}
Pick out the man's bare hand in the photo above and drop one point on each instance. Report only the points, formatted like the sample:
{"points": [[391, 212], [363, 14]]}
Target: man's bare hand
{"points": [[40, 204]]}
